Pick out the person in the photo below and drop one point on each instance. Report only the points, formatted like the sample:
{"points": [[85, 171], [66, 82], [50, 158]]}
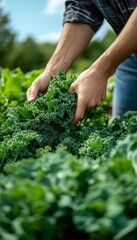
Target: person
{"points": [[82, 19]]}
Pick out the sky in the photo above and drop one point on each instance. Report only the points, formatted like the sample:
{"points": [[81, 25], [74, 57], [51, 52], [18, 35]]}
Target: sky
{"points": [[40, 19]]}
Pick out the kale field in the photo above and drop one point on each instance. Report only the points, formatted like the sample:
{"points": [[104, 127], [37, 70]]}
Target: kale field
{"points": [[63, 182]]}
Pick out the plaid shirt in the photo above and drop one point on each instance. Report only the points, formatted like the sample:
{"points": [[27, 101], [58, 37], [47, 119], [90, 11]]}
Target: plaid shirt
{"points": [[93, 12]]}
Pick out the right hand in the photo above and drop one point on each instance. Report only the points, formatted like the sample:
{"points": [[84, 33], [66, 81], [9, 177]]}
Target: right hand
{"points": [[90, 87], [40, 84]]}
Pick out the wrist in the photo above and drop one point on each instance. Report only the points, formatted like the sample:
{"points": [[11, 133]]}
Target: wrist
{"points": [[106, 63], [56, 63]]}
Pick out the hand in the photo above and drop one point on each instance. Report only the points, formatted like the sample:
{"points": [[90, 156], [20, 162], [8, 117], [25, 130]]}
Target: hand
{"points": [[90, 87], [40, 84]]}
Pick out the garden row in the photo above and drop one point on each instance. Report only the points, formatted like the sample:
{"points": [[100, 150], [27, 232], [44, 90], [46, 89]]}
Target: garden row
{"points": [[58, 182]]}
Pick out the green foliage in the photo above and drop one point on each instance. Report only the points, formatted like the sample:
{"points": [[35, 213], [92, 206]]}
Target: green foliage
{"points": [[96, 145], [21, 144], [27, 55], [60, 197], [13, 87], [6, 37], [48, 120], [52, 194], [48, 116]]}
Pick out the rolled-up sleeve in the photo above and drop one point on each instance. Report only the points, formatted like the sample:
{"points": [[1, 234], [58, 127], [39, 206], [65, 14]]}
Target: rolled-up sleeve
{"points": [[83, 11]]}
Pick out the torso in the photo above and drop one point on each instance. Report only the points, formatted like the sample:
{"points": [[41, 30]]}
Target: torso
{"points": [[116, 12]]}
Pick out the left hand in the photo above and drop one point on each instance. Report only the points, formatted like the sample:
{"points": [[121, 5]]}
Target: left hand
{"points": [[90, 87]]}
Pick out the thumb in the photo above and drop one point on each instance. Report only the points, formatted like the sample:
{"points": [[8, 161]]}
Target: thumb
{"points": [[32, 93]]}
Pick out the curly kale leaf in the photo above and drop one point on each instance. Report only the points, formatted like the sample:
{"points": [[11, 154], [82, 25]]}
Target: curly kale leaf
{"points": [[47, 117], [22, 144], [96, 145]]}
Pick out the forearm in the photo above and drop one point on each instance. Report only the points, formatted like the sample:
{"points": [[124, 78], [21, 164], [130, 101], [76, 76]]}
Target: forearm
{"points": [[122, 47], [74, 38]]}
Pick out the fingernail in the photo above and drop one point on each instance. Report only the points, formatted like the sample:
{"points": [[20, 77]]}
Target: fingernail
{"points": [[30, 98]]}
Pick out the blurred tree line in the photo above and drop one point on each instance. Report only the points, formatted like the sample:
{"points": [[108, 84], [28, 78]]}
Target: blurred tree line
{"points": [[29, 55]]}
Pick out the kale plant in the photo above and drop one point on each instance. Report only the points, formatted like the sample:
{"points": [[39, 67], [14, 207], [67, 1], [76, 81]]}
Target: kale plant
{"points": [[44, 120]]}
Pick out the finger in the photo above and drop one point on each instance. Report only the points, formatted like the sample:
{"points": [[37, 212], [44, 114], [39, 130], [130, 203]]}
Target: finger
{"points": [[72, 88], [32, 93], [79, 114]]}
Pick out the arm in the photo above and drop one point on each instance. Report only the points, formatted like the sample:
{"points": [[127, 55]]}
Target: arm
{"points": [[91, 84], [74, 38]]}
